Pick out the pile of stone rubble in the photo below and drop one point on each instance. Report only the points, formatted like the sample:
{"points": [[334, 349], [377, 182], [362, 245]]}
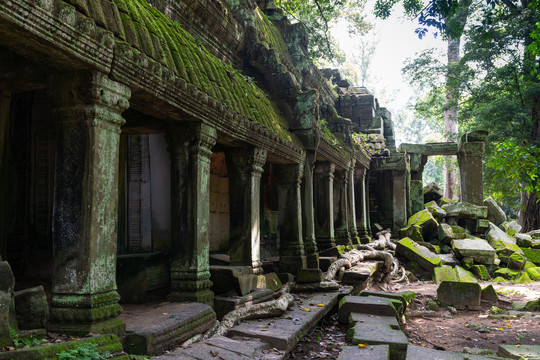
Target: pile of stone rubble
{"points": [[463, 242]]}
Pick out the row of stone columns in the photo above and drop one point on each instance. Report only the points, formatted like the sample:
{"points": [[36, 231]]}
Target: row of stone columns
{"points": [[88, 116]]}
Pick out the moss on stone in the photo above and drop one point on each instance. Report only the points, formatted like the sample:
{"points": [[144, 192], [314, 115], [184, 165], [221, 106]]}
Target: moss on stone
{"points": [[523, 279]]}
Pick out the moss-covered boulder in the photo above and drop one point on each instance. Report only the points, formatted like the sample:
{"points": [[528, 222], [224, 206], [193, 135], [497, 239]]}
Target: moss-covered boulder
{"points": [[507, 274], [425, 220], [32, 308], [489, 294], [409, 249], [448, 273], [534, 273], [523, 278], [481, 272], [511, 227], [445, 234], [465, 211], [478, 249], [460, 294], [432, 192], [413, 232], [495, 213], [7, 283], [501, 242], [516, 261], [435, 209], [523, 240], [532, 254]]}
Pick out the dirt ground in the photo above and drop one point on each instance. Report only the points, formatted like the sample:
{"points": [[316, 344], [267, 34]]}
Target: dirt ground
{"points": [[443, 329], [473, 329]]}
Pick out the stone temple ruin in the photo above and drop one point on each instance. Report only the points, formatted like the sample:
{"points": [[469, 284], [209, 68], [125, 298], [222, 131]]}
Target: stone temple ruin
{"points": [[169, 149]]}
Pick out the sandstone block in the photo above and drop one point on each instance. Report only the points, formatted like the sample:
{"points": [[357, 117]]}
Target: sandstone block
{"points": [[461, 295], [420, 254], [32, 308], [495, 213]]}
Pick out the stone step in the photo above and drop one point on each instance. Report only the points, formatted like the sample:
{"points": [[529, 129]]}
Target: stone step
{"points": [[371, 352], [152, 330], [225, 304], [365, 305], [422, 353], [379, 334], [531, 352], [285, 332], [219, 347], [374, 319]]}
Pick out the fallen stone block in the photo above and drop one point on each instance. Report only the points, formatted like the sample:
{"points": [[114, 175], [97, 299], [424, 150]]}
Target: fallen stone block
{"points": [[495, 213], [511, 227], [523, 240], [432, 192], [435, 210], [361, 272], [523, 278], [501, 242], [286, 278], [413, 232], [516, 261], [374, 319], [227, 278], [465, 211], [445, 233], [508, 274], [533, 255], [32, 308], [406, 297], [448, 259], [272, 281], [479, 250], [420, 254], [372, 334], [461, 295], [426, 221], [226, 304], [375, 352], [481, 272], [305, 276], [489, 294], [365, 305], [519, 352], [444, 273], [534, 273]]}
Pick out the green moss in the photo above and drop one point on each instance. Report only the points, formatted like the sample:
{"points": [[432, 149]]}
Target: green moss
{"points": [[523, 279]]}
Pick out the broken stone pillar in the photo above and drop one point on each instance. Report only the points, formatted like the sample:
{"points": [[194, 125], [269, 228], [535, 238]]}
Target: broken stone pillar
{"points": [[399, 198], [351, 215], [361, 206], [245, 167], [190, 147], [341, 223], [85, 211], [324, 204], [470, 156], [308, 218], [292, 256]]}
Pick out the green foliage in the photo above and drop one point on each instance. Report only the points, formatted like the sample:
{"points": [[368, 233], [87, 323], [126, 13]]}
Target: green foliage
{"points": [[19, 341], [84, 351], [319, 15]]}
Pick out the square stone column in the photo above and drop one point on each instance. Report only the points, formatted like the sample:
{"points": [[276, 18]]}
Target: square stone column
{"points": [[341, 223], [190, 146], [399, 199], [292, 256], [470, 156], [308, 218], [324, 204], [361, 205], [351, 206], [245, 167], [88, 107]]}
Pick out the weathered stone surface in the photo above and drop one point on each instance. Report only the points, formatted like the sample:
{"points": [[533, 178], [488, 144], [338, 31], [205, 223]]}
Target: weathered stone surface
{"points": [[423, 353], [375, 352], [309, 276], [445, 233], [142, 277], [480, 272], [523, 278], [283, 333], [7, 283], [226, 304], [420, 254], [479, 250], [519, 352], [272, 281], [495, 213], [426, 221], [523, 240], [246, 347], [533, 255], [374, 319], [465, 210], [360, 272], [501, 242], [448, 273], [435, 209], [460, 294], [404, 296], [535, 234], [448, 259], [489, 294], [365, 305], [534, 273], [413, 232], [203, 351], [432, 192], [511, 227], [506, 273], [227, 278], [373, 334], [156, 329], [32, 308], [516, 261]]}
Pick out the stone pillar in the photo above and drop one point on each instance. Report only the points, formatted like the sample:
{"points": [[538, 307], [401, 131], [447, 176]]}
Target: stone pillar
{"points": [[308, 218], [341, 224], [245, 167], [399, 199], [367, 204], [470, 156], [292, 256], [85, 211], [361, 206], [324, 205], [190, 146], [351, 206]]}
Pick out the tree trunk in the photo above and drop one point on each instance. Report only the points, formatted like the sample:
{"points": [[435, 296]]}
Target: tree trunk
{"points": [[529, 215]]}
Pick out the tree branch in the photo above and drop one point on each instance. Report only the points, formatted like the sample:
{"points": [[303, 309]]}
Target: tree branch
{"points": [[325, 27]]}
